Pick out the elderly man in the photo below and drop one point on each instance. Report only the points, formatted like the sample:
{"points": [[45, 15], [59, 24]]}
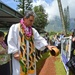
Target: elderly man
{"points": [[22, 41]]}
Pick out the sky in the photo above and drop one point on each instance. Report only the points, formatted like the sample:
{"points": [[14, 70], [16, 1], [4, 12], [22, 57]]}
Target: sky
{"points": [[50, 6]]}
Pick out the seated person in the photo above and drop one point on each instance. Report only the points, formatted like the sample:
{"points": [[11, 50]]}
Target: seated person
{"points": [[4, 57]]}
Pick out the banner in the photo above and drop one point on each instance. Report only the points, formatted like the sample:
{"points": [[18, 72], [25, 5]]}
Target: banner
{"points": [[66, 51]]}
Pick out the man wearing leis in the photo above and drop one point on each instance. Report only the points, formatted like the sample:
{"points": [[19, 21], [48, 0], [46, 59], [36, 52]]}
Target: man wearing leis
{"points": [[22, 41]]}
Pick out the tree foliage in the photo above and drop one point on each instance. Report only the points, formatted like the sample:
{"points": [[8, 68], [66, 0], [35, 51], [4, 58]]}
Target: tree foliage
{"points": [[40, 19], [24, 5], [29, 5]]}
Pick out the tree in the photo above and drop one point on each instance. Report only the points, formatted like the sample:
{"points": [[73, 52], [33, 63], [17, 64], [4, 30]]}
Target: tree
{"points": [[24, 5], [61, 15], [40, 19], [29, 5]]}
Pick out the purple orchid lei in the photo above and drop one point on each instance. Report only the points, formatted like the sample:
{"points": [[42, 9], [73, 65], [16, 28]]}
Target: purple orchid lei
{"points": [[27, 30], [3, 45]]}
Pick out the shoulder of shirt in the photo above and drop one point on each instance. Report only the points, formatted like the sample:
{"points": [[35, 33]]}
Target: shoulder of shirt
{"points": [[14, 27]]}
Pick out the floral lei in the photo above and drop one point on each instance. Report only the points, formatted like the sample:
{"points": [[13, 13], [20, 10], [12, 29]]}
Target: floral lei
{"points": [[3, 45], [27, 30]]}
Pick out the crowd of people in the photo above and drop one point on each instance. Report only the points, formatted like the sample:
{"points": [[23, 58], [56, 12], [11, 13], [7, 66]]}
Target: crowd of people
{"points": [[57, 40]]}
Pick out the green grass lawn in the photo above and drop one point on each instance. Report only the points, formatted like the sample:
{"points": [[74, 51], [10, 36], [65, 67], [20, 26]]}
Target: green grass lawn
{"points": [[60, 70]]}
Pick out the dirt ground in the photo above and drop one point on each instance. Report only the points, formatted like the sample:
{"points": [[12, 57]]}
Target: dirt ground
{"points": [[48, 67]]}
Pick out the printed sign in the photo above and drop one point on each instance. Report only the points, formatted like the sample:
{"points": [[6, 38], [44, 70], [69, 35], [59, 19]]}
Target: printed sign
{"points": [[66, 51]]}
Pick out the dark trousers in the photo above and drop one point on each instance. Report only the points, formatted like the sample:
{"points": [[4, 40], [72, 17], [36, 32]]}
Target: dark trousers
{"points": [[5, 69]]}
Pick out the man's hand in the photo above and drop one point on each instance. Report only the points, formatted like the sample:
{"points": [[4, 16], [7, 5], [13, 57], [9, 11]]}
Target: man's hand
{"points": [[17, 56], [50, 47], [53, 50], [73, 39]]}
